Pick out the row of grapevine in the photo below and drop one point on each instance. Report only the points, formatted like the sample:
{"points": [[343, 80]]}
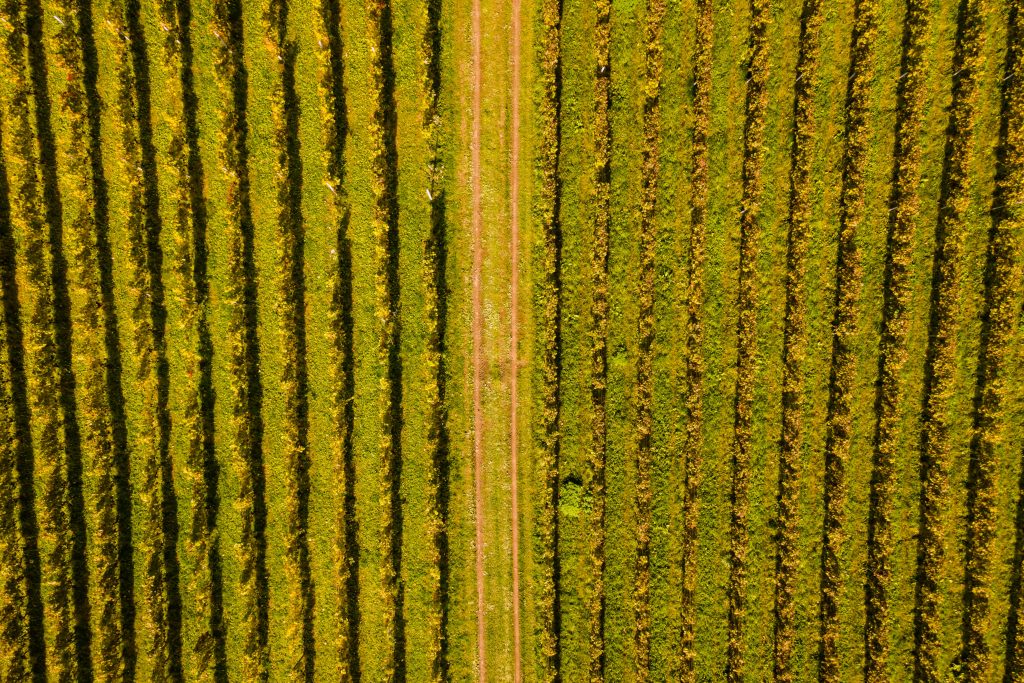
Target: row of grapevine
{"points": [[548, 306], [86, 236], [597, 454], [653, 65], [32, 229], [839, 421], [746, 333], [693, 444], [384, 171], [1004, 263], [892, 352], [435, 268], [246, 381], [16, 662], [331, 79], [795, 339], [993, 381], [27, 578], [292, 311], [196, 349], [941, 358], [49, 176], [143, 227]]}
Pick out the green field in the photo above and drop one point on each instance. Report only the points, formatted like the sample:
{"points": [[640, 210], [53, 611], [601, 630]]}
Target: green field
{"points": [[261, 372]]}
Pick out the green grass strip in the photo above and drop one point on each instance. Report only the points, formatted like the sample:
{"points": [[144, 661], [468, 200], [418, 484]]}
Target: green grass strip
{"points": [[941, 357], [892, 353], [794, 344]]}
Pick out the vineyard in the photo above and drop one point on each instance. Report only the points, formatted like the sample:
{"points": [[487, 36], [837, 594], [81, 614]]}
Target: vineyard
{"points": [[518, 340]]}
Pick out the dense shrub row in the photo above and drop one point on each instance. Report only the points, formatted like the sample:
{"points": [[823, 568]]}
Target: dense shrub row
{"points": [[892, 352], [291, 308], [842, 373], [650, 167], [31, 227], [995, 376], [334, 114], [693, 436], [597, 453], [383, 156], [794, 339], [244, 360], [941, 356], [746, 333], [547, 305], [85, 236], [196, 349], [436, 307]]}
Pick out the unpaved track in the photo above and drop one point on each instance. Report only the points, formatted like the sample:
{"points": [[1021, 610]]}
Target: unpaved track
{"points": [[478, 413], [517, 674]]}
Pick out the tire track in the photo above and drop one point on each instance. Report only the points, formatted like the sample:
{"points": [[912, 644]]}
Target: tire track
{"points": [[517, 658], [890, 387], [794, 352]]}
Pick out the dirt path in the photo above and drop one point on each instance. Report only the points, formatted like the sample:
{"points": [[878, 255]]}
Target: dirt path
{"points": [[514, 383], [478, 412]]}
